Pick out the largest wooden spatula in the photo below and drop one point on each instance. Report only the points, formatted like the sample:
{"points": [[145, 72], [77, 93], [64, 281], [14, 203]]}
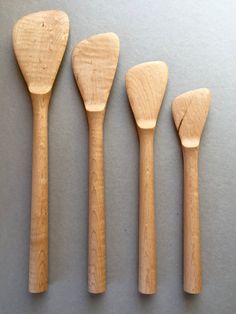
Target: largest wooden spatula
{"points": [[39, 41], [94, 63]]}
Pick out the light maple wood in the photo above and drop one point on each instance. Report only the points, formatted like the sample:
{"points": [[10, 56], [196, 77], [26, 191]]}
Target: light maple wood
{"points": [[190, 112], [94, 63], [146, 85], [39, 42]]}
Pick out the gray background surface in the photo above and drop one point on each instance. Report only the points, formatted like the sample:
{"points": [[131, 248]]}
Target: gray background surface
{"points": [[197, 40]]}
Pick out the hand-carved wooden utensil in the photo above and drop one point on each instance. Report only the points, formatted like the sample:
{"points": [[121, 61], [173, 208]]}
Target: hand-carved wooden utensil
{"points": [[190, 112], [39, 42], [94, 63], [146, 84]]}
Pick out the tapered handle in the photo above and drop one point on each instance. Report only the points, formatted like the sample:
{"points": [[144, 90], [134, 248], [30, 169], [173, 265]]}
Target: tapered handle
{"points": [[147, 227], [96, 228], [38, 261], [192, 253]]}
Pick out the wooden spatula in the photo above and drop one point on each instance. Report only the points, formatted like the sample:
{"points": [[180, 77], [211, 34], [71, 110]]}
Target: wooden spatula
{"points": [[190, 112], [146, 84], [39, 42], [94, 63]]}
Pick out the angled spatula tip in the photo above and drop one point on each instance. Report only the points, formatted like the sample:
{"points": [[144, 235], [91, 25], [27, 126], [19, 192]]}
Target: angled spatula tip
{"points": [[189, 112], [146, 84], [94, 63]]}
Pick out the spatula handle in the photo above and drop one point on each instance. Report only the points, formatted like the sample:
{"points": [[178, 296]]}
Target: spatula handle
{"points": [[96, 228], [147, 227], [192, 254], [38, 261]]}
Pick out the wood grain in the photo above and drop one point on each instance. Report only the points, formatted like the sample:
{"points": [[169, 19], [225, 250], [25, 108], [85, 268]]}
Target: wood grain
{"points": [[94, 63], [190, 112], [39, 42], [38, 263], [146, 84]]}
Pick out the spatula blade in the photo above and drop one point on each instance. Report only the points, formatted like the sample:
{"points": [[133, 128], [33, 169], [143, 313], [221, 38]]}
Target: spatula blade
{"points": [[39, 42], [94, 63]]}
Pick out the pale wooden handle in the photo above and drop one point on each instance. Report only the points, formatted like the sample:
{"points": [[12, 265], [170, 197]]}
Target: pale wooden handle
{"points": [[38, 262], [192, 254], [147, 227], [96, 234]]}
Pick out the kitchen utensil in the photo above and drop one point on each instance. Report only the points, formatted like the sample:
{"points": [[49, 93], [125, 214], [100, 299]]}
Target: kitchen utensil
{"points": [[190, 112], [94, 63], [39, 42], [146, 84]]}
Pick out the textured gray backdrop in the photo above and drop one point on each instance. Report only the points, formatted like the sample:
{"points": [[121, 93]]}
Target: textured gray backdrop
{"points": [[197, 40]]}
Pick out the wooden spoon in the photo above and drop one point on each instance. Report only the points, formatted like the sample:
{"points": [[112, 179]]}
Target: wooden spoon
{"points": [[39, 42], [94, 63], [190, 112], [146, 84]]}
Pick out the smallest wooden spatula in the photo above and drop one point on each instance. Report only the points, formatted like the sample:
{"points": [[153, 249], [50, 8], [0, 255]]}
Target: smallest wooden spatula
{"points": [[190, 112]]}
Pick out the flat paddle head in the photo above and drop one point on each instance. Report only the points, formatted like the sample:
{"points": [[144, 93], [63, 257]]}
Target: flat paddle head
{"points": [[39, 42], [94, 63], [190, 111], [146, 85]]}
